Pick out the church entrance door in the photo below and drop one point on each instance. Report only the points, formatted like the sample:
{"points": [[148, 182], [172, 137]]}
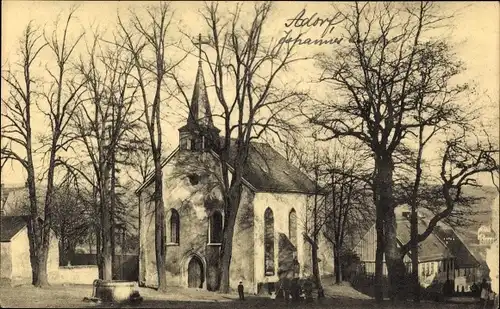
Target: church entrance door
{"points": [[195, 273]]}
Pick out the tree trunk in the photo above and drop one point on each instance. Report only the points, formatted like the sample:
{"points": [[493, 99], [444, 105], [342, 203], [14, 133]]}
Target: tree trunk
{"points": [[107, 272], [112, 216], [226, 255], [33, 236], [379, 256], [385, 203], [227, 244], [315, 264], [160, 246], [47, 223], [142, 260], [337, 265], [98, 252], [415, 284]]}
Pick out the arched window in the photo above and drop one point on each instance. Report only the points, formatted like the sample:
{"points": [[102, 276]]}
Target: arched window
{"points": [[215, 226], [269, 242], [292, 227], [174, 226]]}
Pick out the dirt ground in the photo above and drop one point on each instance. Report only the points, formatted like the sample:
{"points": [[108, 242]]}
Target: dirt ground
{"points": [[71, 296]]}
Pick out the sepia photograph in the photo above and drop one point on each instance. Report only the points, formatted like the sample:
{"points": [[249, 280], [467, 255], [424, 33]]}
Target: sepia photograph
{"points": [[252, 154]]}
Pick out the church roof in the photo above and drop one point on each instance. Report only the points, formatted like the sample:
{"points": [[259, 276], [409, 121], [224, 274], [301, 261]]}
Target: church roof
{"points": [[265, 170]]}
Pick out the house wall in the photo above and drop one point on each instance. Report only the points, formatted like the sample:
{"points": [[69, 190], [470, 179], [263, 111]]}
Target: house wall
{"points": [[366, 251], [189, 201], [21, 266], [5, 264], [281, 205]]}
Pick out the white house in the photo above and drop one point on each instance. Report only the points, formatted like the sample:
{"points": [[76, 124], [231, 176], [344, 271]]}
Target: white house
{"points": [[15, 257]]}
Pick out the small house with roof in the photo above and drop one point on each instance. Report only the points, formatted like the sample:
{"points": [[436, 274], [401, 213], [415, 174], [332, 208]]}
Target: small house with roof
{"points": [[466, 264], [15, 252], [267, 242], [436, 262], [15, 257]]}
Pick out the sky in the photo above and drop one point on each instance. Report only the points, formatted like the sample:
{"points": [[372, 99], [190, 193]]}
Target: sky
{"points": [[475, 32]]}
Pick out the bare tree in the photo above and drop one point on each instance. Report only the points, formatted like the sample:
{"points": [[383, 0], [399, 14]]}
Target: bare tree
{"points": [[145, 38], [72, 217], [105, 126], [377, 80], [347, 208], [17, 131], [60, 101]]}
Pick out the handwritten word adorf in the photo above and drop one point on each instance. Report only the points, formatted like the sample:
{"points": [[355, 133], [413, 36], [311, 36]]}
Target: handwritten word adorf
{"points": [[300, 21]]}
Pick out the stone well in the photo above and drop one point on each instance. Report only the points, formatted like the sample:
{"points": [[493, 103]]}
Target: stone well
{"points": [[115, 291]]}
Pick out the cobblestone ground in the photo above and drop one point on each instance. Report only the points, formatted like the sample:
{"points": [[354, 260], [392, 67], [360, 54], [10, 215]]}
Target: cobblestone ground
{"points": [[72, 297]]}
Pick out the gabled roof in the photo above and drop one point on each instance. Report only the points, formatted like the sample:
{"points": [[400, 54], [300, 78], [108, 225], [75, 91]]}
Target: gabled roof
{"points": [[268, 171], [11, 225], [430, 249], [464, 257], [265, 170], [16, 201]]}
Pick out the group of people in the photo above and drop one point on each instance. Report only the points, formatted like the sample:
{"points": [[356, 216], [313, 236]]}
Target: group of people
{"points": [[487, 296], [290, 290]]}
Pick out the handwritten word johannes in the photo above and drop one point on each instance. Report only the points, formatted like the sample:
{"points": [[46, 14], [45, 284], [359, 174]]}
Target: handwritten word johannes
{"points": [[301, 21]]}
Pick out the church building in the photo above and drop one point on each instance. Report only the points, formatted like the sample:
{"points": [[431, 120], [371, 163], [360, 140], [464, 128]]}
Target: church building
{"points": [[268, 240]]}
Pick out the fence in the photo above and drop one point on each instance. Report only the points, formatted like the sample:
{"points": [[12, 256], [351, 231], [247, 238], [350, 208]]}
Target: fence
{"points": [[365, 283]]}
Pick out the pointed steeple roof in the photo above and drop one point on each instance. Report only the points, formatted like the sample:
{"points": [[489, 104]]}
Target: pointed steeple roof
{"points": [[200, 112]]}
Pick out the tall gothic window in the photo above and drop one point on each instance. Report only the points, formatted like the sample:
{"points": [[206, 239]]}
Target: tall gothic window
{"points": [[174, 226], [292, 227], [269, 242], [215, 226]]}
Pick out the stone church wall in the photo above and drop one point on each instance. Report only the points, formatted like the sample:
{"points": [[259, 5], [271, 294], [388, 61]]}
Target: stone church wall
{"points": [[189, 199], [281, 204]]}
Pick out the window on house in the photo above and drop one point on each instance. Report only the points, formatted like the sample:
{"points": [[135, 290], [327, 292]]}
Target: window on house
{"points": [[292, 227], [432, 268], [269, 242], [193, 144], [215, 226], [174, 226]]}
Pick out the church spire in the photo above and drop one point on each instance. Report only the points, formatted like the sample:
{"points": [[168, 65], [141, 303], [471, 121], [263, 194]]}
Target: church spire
{"points": [[199, 133], [200, 112]]}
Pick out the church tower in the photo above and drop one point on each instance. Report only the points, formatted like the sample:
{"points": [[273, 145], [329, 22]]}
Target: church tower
{"points": [[199, 133]]}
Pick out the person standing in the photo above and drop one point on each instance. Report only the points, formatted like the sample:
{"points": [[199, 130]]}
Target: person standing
{"points": [[241, 293], [485, 294]]}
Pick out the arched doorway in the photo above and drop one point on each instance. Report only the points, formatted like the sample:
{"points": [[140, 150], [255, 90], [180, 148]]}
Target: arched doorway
{"points": [[195, 273]]}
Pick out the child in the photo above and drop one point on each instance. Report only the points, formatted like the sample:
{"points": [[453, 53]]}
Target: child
{"points": [[240, 291]]}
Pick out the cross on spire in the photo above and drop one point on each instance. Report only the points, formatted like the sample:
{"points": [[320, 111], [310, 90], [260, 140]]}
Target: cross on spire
{"points": [[199, 42]]}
